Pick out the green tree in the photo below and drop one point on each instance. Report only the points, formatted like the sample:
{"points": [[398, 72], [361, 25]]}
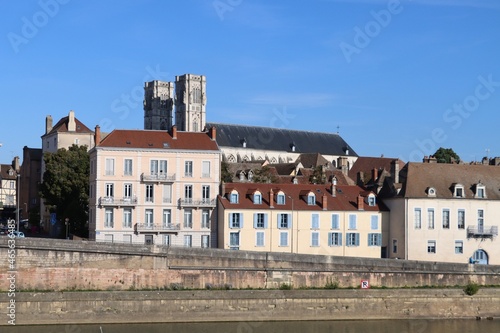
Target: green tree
{"points": [[446, 155], [65, 187], [264, 175], [225, 174]]}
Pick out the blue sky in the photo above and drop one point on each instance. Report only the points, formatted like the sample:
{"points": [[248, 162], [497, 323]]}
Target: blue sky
{"points": [[398, 78]]}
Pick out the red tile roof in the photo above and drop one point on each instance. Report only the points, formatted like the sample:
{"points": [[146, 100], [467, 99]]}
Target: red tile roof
{"points": [[62, 126], [155, 139], [367, 164], [345, 197]]}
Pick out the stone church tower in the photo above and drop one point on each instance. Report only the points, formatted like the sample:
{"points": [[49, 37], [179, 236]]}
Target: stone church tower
{"points": [[158, 105], [190, 102]]}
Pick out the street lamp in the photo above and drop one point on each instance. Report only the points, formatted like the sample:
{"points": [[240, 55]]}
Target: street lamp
{"points": [[66, 221]]}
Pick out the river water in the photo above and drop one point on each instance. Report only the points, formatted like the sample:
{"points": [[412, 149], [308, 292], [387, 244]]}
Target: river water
{"points": [[378, 326]]}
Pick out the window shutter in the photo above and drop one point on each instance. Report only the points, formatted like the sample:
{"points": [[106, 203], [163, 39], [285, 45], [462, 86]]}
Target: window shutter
{"points": [[241, 220], [278, 221], [255, 219], [330, 236], [374, 222], [340, 239], [289, 219], [230, 219], [379, 239], [357, 239], [265, 221]]}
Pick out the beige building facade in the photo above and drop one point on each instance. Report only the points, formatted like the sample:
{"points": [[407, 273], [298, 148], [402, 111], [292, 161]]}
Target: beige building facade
{"points": [[154, 187], [446, 213], [306, 219]]}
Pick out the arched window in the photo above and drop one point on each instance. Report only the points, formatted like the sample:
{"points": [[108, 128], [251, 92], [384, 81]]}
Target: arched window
{"points": [[480, 257]]}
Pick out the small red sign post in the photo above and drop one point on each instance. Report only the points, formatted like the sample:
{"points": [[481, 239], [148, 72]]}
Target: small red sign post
{"points": [[365, 284]]}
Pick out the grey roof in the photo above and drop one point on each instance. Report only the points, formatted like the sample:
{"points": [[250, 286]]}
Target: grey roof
{"points": [[279, 139]]}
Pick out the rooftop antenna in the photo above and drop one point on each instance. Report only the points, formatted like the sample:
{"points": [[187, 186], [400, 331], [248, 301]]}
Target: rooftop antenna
{"points": [[338, 129]]}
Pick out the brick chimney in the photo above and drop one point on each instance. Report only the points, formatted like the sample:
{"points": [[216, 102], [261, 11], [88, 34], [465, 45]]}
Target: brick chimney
{"points": [[48, 124], [71, 121], [324, 202], [361, 202], [374, 174], [174, 132], [395, 171], [360, 178], [333, 187], [213, 133], [97, 135], [271, 198]]}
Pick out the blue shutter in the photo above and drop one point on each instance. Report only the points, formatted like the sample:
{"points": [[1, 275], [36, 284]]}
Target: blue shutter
{"points": [[241, 220], [278, 220], [255, 219], [340, 239], [289, 220], [315, 221], [335, 221], [374, 224], [230, 222], [379, 239], [357, 239], [330, 235], [265, 221]]}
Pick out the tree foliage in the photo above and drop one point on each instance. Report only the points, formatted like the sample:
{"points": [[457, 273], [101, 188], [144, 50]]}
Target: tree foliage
{"points": [[264, 175], [446, 155], [226, 176], [65, 186]]}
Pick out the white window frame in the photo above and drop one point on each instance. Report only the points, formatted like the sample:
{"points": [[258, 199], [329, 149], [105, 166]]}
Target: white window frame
{"points": [[127, 217], [188, 169], [127, 167], [431, 246]]}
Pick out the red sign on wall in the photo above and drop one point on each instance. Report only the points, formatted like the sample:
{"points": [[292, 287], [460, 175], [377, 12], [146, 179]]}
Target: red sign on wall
{"points": [[365, 284]]}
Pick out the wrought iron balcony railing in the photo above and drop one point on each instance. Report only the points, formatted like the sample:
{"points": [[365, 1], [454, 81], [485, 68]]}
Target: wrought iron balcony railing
{"points": [[112, 201], [145, 227], [188, 202], [158, 177], [482, 231]]}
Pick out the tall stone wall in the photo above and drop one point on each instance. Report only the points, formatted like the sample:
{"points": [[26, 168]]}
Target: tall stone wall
{"points": [[58, 265]]}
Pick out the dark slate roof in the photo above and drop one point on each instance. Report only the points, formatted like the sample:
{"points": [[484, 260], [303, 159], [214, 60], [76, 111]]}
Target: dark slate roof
{"points": [[279, 139], [442, 176]]}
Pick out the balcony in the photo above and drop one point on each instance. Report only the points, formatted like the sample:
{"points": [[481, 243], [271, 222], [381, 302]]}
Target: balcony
{"points": [[157, 228], [482, 231], [188, 202], [117, 202], [158, 178]]}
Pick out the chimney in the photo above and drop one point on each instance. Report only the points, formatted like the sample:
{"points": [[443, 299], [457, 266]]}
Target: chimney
{"points": [[15, 164], [361, 202], [374, 174], [360, 178], [174, 132], [333, 187], [48, 124], [325, 202], [97, 135], [395, 171], [71, 121], [271, 198], [213, 133]]}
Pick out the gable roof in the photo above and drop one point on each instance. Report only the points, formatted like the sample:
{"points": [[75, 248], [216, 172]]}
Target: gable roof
{"points": [[156, 139], [367, 164], [345, 198], [442, 177], [279, 139], [62, 126], [4, 172], [312, 160]]}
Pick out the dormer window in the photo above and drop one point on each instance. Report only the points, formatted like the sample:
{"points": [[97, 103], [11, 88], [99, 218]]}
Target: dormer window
{"points": [[257, 198], [431, 192], [233, 197], [458, 191], [250, 175], [480, 191], [242, 176], [292, 147], [244, 143], [372, 200], [311, 199], [280, 198]]}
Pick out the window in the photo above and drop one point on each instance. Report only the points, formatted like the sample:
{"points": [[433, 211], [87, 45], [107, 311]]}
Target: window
{"points": [[234, 240], [109, 190], [284, 221], [205, 194], [461, 219], [163, 167], [430, 218], [259, 238], [167, 193], [235, 220], [311, 199], [394, 246], [149, 218], [188, 193], [283, 238], [127, 167], [371, 200], [110, 167], [314, 221], [446, 219], [260, 221], [205, 219], [205, 241], [315, 239], [334, 239], [153, 167], [480, 191], [352, 222], [417, 218], [205, 169], [108, 218], [431, 246], [149, 192], [167, 240], [127, 218], [280, 199], [167, 218], [188, 241], [188, 169], [127, 190], [459, 247], [127, 239], [233, 198], [335, 221], [12, 184], [257, 198], [374, 222], [480, 220], [352, 239], [374, 239], [188, 218], [459, 191]]}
